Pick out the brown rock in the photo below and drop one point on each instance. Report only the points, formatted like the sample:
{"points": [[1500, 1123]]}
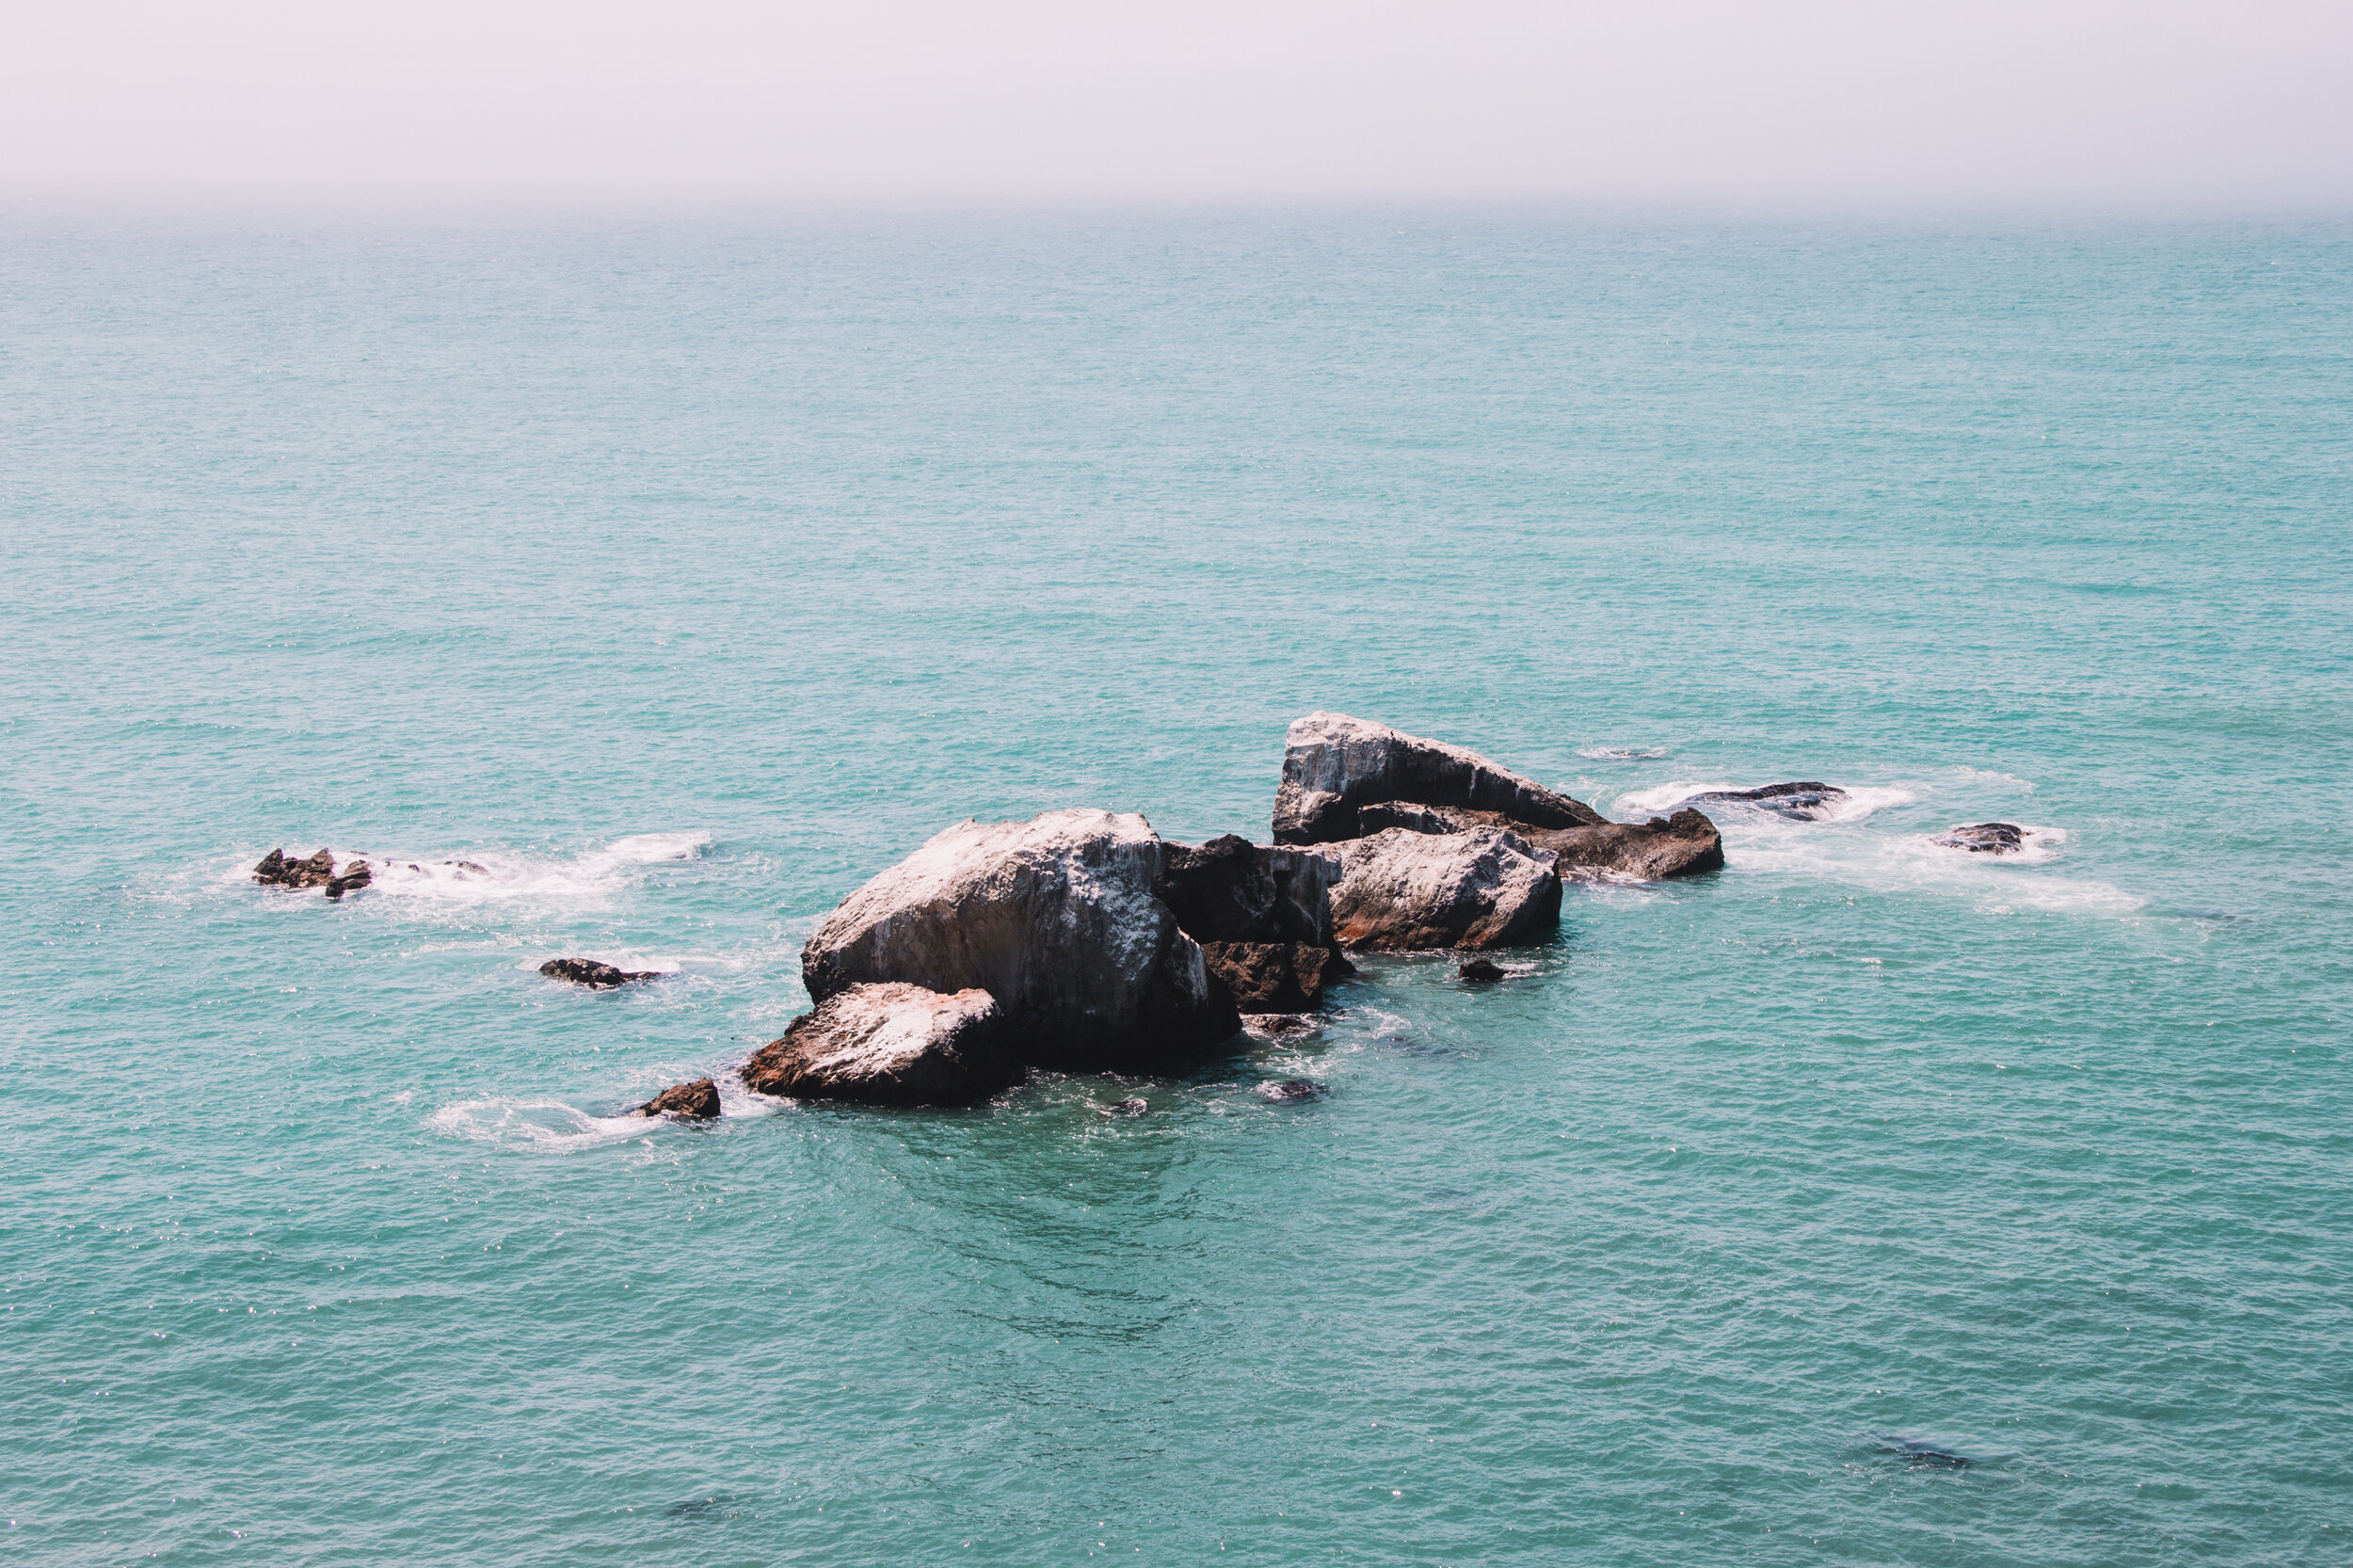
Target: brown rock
{"points": [[590, 972], [1681, 845], [1480, 969], [1272, 977], [276, 871], [696, 1101]]}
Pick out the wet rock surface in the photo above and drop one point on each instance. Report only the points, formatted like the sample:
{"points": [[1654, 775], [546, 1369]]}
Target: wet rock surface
{"points": [[1405, 890], [1808, 801], [1335, 766], [1292, 1091], [1127, 1108], [590, 972], [354, 876], [1229, 889], [1985, 838], [697, 1101], [892, 1043], [1056, 919], [1480, 969]]}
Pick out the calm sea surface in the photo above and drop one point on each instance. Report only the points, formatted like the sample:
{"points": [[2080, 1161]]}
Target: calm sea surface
{"points": [[683, 576]]}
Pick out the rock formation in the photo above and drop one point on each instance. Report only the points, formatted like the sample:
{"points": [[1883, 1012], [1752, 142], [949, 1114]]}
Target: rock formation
{"points": [[590, 972], [1679, 845], [1481, 888], [891, 1045], [697, 1101], [1262, 915], [1055, 918], [1292, 1091], [1334, 765], [350, 880], [1985, 838], [1481, 969], [276, 871]]}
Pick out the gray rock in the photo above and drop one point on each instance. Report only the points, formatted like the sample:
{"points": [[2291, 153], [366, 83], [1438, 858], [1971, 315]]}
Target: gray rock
{"points": [[1681, 845], [1482, 887], [277, 871], [1055, 918], [1334, 765], [890, 1044], [1806, 801], [593, 973]]}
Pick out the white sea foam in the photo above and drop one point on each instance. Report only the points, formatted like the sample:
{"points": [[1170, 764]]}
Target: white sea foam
{"points": [[1913, 862], [542, 1124], [502, 876], [1625, 754]]}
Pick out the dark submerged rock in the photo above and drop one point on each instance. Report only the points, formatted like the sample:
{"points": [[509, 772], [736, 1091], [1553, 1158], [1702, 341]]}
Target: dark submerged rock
{"points": [[1127, 1108], [891, 1045], [1915, 1454], [1985, 838], [1807, 801], [1335, 766], [1480, 969], [590, 972], [1292, 1091], [696, 1101]]}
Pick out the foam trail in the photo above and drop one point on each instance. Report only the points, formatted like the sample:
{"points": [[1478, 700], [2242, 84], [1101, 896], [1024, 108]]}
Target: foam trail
{"points": [[536, 1124], [1861, 800], [498, 876], [1624, 754]]}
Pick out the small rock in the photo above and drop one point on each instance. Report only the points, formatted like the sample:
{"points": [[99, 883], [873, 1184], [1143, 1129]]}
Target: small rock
{"points": [[1127, 1108], [891, 1045], [355, 877], [696, 1101], [1985, 838], [1810, 800], [1279, 1023], [1292, 1091], [1480, 968], [276, 871], [588, 973]]}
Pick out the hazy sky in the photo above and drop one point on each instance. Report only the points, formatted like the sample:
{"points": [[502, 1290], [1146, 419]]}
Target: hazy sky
{"points": [[2242, 106]]}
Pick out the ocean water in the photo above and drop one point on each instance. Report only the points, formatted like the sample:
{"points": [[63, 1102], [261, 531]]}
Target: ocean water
{"points": [[682, 574]]}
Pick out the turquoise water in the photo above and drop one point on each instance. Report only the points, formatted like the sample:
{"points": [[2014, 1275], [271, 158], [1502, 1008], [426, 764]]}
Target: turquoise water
{"points": [[684, 575]]}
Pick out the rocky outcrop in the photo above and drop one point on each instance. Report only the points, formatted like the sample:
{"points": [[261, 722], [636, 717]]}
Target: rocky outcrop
{"points": [[1681, 845], [590, 972], [1055, 918], [1478, 888], [1480, 969], [1232, 890], [276, 871], [1292, 1091], [891, 1045], [1335, 766], [350, 880], [697, 1101], [1810, 801], [1273, 977], [1985, 838]]}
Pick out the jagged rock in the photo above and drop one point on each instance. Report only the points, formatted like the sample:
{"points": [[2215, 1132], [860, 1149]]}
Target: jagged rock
{"points": [[1056, 919], [1232, 890], [1480, 969], [1279, 1025], [696, 1101], [1681, 845], [1272, 977], [1809, 801], [1292, 1091], [1334, 765], [590, 972], [354, 876], [276, 871], [890, 1044], [1482, 887], [1985, 838]]}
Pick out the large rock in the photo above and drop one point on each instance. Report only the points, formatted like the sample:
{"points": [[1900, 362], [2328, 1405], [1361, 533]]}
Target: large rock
{"points": [[1680, 845], [1232, 890], [1334, 765], [890, 1044], [277, 871], [1056, 919], [1482, 887]]}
